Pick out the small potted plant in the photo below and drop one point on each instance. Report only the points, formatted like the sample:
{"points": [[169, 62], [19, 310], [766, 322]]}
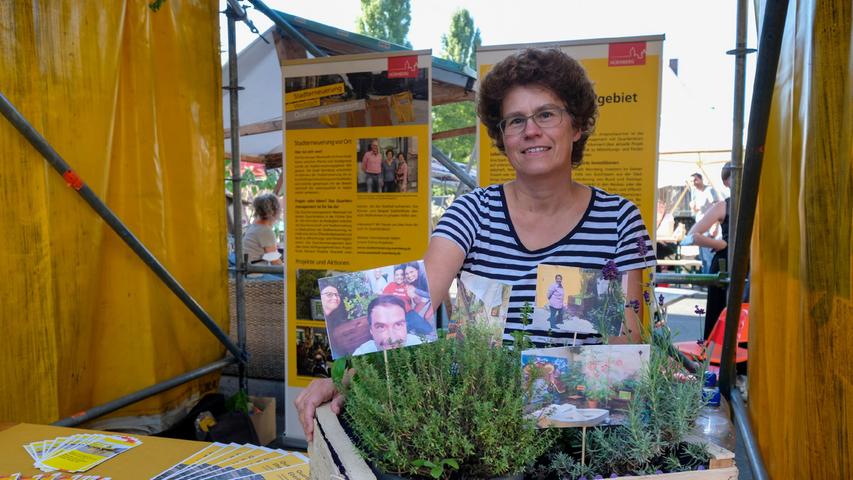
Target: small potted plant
{"points": [[597, 394]]}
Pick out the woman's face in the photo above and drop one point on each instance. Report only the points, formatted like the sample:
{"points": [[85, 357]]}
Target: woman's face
{"points": [[331, 299], [399, 276], [389, 156], [411, 274], [538, 151], [401, 157]]}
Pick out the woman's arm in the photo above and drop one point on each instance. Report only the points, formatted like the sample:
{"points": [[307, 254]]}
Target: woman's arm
{"points": [[442, 261], [273, 249], [716, 213], [634, 294]]}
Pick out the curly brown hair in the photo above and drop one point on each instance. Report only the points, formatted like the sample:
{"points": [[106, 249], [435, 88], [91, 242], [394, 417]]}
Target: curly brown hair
{"points": [[266, 206], [551, 69]]}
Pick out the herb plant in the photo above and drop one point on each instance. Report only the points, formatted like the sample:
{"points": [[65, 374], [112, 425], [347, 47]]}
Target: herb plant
{"points": [[440, 405]]}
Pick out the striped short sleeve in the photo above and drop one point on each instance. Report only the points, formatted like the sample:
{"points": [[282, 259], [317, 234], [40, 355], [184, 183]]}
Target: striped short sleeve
{"points": [[461, 222], [634, 248]]}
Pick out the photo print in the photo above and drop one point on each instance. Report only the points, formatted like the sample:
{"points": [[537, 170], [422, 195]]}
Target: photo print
{"points": [[579, 300], [378, 309], [313, 356], [356, 99], [481, 301], [581, 386], [387, 165]]}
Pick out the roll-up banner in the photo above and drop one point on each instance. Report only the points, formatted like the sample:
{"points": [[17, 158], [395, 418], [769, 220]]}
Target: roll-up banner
{"points": [[621, 156], [357, 160]]}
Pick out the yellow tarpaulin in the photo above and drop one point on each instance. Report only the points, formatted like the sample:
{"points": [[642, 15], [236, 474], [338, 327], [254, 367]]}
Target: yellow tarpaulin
{"points": [[801, 338], [131, 99]]}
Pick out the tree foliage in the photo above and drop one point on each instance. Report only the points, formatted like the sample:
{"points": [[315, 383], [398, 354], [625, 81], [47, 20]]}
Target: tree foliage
{"points": [[387, 20], [459, 44], [461, 41]]}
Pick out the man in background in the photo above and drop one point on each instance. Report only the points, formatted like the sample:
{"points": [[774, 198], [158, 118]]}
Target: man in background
{"points": [[371, 165], [702, 198]]}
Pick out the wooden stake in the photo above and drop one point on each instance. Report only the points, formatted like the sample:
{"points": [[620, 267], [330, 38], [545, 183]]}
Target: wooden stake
{"points": [[583, 446], [388, 378]]}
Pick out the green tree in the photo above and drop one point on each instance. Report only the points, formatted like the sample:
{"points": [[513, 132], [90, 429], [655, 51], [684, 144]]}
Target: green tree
{"points": [[459, 44], [387, 20]]}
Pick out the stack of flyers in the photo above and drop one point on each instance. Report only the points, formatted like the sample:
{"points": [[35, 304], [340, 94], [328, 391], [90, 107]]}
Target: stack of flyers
{"points": [[78, 453], [218, 461], [51, 476]]}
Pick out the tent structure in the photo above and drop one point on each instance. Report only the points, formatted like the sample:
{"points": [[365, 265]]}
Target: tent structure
{"points": [[259, 65]]}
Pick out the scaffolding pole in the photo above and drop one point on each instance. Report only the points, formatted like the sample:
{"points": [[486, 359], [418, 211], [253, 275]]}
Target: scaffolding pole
{"points": [[42, 146]]}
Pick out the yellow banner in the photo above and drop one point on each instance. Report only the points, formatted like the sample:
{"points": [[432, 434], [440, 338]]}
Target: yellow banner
{"points": [[621, 156], [357, 187]]}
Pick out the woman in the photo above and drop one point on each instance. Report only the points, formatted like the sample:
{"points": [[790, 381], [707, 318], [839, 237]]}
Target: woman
{"points": [[402, 173], [539, 108], [259, 238], [333, 309], [718, 213], [389, 172]]}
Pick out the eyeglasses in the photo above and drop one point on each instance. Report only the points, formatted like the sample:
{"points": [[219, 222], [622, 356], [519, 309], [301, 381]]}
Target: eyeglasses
{"points": [[331, 295], [548, 118]]}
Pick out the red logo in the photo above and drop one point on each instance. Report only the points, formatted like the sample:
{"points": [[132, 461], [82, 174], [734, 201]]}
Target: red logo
{"points": [[403, 67], [624, 54]]}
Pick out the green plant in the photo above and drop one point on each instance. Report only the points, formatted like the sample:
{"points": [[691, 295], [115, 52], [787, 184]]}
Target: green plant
{"points": [[446, 400], [436, 470]]}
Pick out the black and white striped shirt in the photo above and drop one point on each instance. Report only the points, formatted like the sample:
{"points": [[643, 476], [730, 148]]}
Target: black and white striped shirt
{"points": [[479, 223]]}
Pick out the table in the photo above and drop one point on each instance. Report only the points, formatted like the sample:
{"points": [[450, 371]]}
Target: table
{"points": [[142, 462]]}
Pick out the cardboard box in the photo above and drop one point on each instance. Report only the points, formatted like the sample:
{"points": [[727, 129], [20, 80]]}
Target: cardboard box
{"points": [[263, 418]]}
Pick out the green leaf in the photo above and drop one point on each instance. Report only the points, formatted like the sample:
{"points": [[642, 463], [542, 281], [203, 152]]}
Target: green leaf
{"points": [[452, 462], [436, 472], [339, 367]]}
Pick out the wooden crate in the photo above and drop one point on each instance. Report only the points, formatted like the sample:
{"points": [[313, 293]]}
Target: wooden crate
{"points": [[333, 456]]}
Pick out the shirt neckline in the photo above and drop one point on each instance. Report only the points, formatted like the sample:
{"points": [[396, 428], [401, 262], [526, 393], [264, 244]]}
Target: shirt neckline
{"points": [[505, 207]]}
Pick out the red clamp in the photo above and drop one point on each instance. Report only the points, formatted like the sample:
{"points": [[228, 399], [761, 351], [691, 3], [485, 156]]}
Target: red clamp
{"points": [[73, 180]]}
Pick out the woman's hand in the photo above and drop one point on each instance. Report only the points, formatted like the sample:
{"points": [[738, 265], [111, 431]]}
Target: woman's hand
{"points": [[317, 393]]}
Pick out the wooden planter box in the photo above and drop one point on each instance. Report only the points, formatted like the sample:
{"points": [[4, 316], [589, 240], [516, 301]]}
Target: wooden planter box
{"points": [[333, 456]]}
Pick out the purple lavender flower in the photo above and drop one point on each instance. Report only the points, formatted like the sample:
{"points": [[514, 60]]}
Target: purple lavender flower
{"points": [[598, 477], [642, 248], [699, 311], [658, 472], [614, 475], [647, 297], [635, 305], [660, 299], [700, 467], [610, 272]]}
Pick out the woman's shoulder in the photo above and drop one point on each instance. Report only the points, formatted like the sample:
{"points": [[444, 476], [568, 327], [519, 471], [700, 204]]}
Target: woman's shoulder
{"points": [[483, 195], [606, 201]]}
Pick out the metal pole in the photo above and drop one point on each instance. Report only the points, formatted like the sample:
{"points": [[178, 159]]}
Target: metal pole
{"points": [[762, 96], [39, 143], [741, 420], [740, 53], [236, 184], [134, 397], [288, 29], [454, 169], [721, 278]]}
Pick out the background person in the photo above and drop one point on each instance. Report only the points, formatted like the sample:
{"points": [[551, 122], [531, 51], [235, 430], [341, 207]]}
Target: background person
{"points": [[718, 213], [402, 173], [389, 172], [702, 198], [371, 165], [539, 108], [259, 237], [386, 317]]}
